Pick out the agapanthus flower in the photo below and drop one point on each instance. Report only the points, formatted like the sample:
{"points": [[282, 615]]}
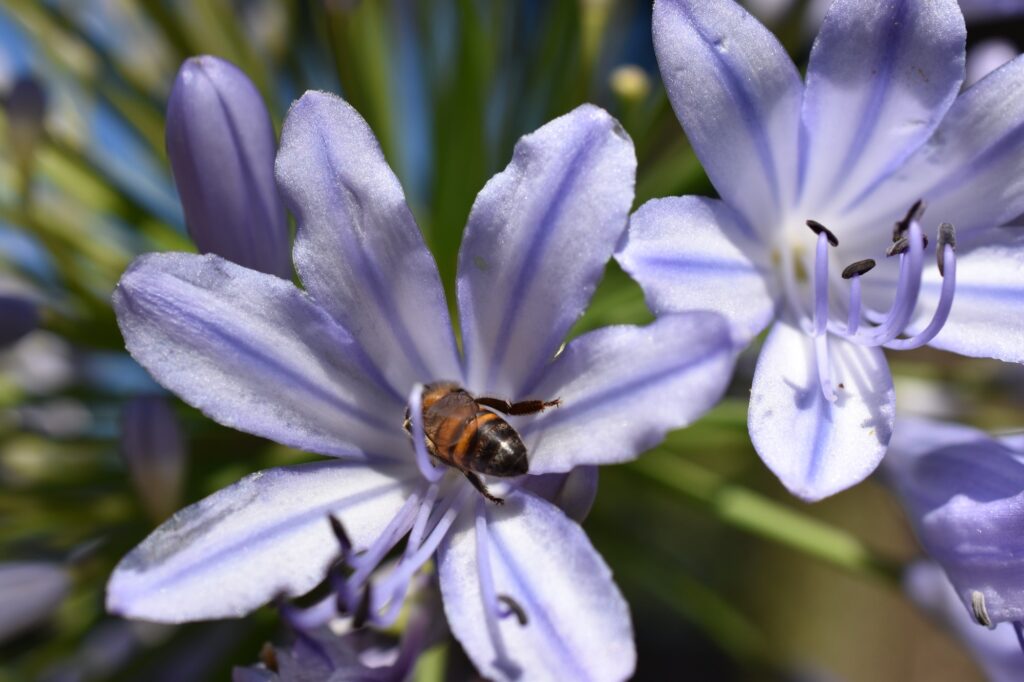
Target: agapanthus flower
{"points": [[333, 370], [963, 492], [221, 146], [153, 447], [819, 232], [18, 316], [996, 651]]}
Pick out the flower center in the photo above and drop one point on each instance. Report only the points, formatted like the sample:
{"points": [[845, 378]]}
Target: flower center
{"points": [[860, 324]]}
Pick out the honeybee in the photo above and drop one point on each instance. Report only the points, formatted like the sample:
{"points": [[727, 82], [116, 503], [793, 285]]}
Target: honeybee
{"points": [[463, 433]]}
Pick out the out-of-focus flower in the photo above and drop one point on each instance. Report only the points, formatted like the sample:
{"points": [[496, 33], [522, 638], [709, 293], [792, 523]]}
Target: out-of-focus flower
{"points": [[30, 591], [221, 145], [18, 316], [877, 127], [964, 494], [39, 363], [332, 370], [25, 105], [154, 449], [987, 56], [997, 651]]}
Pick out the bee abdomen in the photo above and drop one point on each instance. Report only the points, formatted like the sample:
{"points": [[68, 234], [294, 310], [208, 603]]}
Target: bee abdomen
{"points": [[498, 451]]}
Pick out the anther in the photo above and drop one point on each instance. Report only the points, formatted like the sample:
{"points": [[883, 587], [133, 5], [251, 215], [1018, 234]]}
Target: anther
{"points": [[914, 213], [980, 612], [947, 235], [341, 535], [859, 268], [514, 608], [818, 228], [902, 244]]}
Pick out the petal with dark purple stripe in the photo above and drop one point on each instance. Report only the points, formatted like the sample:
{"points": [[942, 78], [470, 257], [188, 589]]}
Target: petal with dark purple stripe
{"points": [[537, 242]]}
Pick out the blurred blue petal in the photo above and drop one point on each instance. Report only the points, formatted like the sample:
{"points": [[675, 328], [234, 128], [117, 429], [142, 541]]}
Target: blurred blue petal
{"points": [[18, 316], [153, 446], [30, 591]]}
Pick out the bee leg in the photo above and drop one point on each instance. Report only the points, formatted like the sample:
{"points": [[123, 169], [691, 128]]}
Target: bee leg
{"points": [[522, 407], [479, 485]]}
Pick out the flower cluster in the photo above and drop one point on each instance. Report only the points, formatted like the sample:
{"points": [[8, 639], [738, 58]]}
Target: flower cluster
{"points": [[863, 207]]}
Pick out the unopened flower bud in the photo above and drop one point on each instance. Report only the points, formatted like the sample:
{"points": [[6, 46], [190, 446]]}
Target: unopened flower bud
{"points": [[221, 145], [154, 449], [30, 591], [25, 105], [18, 316]]}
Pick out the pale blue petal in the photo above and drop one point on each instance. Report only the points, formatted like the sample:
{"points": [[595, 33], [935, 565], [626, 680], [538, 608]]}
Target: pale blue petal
{"points": [[965, 500], [30, 592], [623, 388], [579, 626], [970, 172], [881, 77], [689, 253], [815, 447], [265, 536], [996, 651], [255, 354], [574, 493], [357, 246], [536, 245], [737, 94]]}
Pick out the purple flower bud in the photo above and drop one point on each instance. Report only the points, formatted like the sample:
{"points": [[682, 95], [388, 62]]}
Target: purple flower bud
{"points": [[18, 316], [221, 145], [154, 449], [25, 104], [964, 494], [29, 591]]}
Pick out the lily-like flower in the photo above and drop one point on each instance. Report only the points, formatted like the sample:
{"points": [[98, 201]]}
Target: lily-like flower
{"points": [[997, 652], [333, 370], [818, 229], [964, 494], [221, 145], [153, 447]]}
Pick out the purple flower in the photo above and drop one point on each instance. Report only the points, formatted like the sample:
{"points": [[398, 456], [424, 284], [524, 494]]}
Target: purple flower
{"points": [[30, 592], [332, 370], [18, 316], [877, 126], [998, 652], [964, 494], [154, 449], [221, 145]]}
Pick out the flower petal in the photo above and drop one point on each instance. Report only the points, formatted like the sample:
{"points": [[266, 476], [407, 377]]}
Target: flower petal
{"points": [[30, 592], [264, 536], [578, 625], [537, 242], [623, 388], [881, 77], [815, 447], [357, 247], [573, 493], [254, 353], [966, 501], [689, 253], [971, 171], [737, 94]]}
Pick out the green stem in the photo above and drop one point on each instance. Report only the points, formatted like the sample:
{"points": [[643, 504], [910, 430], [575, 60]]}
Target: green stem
{"points": [[766, 518]]}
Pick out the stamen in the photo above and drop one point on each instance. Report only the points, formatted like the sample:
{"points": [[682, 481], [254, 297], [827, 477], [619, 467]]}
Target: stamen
{"points": [[513, 608], [339, 533], [489, 594], [819, 229], [914, 213], [419, 438], [942, 310], [861, 267], [1018, 627], [907, 289], [821, 311]]}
